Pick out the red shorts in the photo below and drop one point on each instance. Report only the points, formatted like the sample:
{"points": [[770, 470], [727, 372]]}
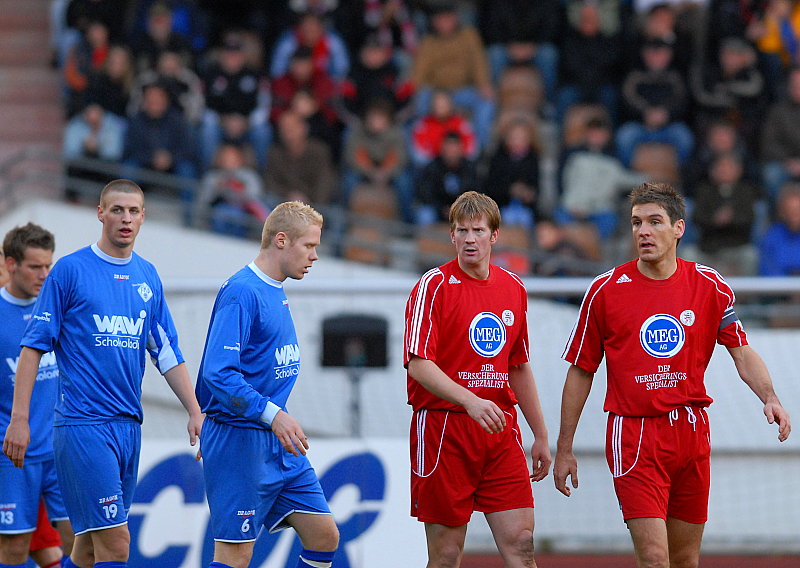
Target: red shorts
{"points": [[661, 464], [45, 535], [458, 468]]}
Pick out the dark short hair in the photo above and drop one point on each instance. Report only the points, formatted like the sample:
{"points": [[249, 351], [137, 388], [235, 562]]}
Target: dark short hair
{"points": [[19, 239], [662, 194]]}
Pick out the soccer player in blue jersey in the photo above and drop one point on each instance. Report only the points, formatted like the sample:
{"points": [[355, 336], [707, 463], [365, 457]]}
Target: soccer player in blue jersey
{"points": [[101, 310], [254, 452], [29, 255]]}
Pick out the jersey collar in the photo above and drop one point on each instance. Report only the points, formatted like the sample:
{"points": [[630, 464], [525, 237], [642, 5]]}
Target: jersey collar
{"points": [[108, 258], [271, 281], [6, 295]]}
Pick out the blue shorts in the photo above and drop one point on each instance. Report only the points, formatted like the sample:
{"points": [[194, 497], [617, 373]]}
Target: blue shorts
{"points": [[251, 481], [97, 467], [21, 490]]}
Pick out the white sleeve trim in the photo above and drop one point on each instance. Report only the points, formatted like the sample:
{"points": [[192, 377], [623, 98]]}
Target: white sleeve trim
{"points": [[269, 413]]}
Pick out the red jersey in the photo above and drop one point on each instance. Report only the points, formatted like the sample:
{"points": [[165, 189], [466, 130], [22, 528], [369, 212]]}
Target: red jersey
{"points": [[657, 336], [474, 330]]}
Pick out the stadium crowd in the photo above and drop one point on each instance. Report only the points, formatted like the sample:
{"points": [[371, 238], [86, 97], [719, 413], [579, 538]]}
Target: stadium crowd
{"points": [[555, 108]]}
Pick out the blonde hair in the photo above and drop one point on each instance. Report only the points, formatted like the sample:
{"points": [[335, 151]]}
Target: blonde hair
{"points": [[290, 217], [474, 205]]}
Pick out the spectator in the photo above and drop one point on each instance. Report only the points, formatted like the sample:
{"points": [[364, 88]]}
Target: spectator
{"points": [[719, 137], [231, 199], [76, 15], [85, 58], [375, 154], [375, 75], [158, 139], [563, 251], [429, 130], [655, 99], [183, 85], [237, 103], [299, 168], [111, 85], [593, 179], [451, 57], [389, 22], [776, 32], [779, 249], [310, 92], [329, 53], [513, 176], [94, 133], [780, 139], [732, 87], [522, 32], [157, 37], [660, 22], [449, 175], [724, 214], [589, 63], [188, 20]]}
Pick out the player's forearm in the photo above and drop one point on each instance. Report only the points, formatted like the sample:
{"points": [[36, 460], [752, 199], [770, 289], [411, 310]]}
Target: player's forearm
{"points": [[753, 371], [521, 381], [429, 375], [178, 380], [576, 391], [24, 380]]}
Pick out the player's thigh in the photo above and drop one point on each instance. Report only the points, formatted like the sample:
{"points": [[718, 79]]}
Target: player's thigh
{"points": [[235, 554], [45, 536], [97, 468], [445, 544], [301, 493], [641, 481], [512, 531], [235, 464], [51, 494], [505, 482], [316, 531], [20, 494], [684, 542], [650, 544], [447, 461]]}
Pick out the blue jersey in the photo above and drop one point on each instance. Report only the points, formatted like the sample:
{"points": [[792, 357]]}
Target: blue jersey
{"points": [[15, 313], [251, 356], [99, 314]]}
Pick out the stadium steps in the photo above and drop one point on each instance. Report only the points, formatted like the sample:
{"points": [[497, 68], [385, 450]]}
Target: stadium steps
{"points": [[31, 116]]}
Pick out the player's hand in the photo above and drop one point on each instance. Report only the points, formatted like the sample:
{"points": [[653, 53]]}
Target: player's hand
{"points": [[775, 412], [194, 427], [565, 466], [540, 459], [290, 434], [18, 436], [487, 414]]}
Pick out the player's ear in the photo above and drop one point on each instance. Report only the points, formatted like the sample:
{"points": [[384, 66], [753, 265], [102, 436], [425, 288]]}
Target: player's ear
{"points": [[493, 237], [281, 239], [679, 227]]}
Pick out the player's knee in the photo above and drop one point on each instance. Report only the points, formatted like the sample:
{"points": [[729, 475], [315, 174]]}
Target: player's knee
{"points": [[684, 561], [448, 556], [652, 558], [520, 545], [14, 547], [112, 545], [326, 540]]}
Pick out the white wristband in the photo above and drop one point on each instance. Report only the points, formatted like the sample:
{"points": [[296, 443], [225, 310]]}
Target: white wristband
{"points": [[269, 412]]}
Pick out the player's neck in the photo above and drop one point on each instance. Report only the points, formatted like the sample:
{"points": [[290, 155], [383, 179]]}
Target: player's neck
{"points": [[16, 291], [268, 264], [113, 250], [660, 269], [477, 270]]}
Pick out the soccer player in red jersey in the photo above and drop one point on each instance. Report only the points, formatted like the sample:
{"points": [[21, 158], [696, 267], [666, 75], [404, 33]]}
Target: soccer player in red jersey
{"points": [[656, 320], [467, 356]]}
